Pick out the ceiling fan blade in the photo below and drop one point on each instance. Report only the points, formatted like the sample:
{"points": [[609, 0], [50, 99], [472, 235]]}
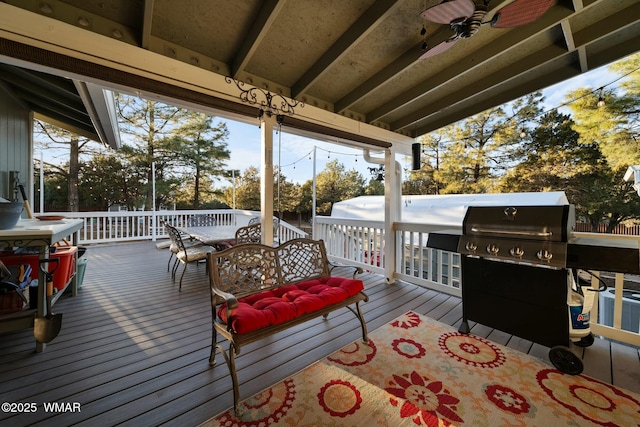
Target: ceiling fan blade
{"points": [[521, 12], [439, 48], [447, 11]]}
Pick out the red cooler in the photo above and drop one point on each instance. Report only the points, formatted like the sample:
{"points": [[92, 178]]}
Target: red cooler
{"points": [[62, 275]]}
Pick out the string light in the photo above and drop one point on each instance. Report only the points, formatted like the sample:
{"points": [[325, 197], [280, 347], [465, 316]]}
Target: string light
{"points": [[523, 131], [308, 156], [601, 102]]}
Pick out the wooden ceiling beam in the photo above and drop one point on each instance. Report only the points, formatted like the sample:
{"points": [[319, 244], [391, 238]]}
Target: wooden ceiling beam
{"points": [[510, 41], [365, 24], [147, 23], [266, 16]]}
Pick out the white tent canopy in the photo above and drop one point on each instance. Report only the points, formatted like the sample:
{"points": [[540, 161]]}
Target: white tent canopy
{"points": [[446, 209]]}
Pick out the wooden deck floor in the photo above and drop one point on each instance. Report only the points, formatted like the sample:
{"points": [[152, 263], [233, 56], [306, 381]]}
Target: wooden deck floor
{"points": [[133, 350]]}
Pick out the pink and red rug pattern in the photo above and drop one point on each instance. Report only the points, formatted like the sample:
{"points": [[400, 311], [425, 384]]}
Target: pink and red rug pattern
{"points": [[418, 372]]}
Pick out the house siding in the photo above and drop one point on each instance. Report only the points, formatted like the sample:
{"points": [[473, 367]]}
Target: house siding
{"points": [[15, 143]]}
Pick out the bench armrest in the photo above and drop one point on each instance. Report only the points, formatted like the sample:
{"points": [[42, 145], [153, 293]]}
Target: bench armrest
{"points": [[229, 299], [356, 270]]}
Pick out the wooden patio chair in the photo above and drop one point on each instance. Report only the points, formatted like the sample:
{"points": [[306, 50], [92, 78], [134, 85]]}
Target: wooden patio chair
{"points": [[186, 254]]}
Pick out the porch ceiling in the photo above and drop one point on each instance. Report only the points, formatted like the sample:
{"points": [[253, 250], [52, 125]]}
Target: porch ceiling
{"points": [[73, 105], [355, 61]]}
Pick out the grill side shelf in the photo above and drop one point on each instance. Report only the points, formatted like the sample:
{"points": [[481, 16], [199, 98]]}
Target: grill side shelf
{"points": [[603, 258], [444, 241]]}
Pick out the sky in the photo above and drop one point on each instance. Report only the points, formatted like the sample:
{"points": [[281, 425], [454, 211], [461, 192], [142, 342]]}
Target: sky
{"points": [[296, 152]]}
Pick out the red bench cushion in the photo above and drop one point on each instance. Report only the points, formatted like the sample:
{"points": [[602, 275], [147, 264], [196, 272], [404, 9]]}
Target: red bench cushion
{"points": [[282, 304]]}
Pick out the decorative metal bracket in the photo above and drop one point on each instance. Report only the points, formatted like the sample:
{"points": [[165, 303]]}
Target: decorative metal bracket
{"points": [[269, 103], [377, 173]]}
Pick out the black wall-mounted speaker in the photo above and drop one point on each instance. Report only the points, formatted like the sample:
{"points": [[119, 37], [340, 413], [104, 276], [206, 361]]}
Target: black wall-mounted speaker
{"points": [[415, 156]]}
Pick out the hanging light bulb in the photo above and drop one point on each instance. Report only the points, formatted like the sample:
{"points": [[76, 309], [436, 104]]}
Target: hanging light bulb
{"points": [[523, 133], [601, 102]]}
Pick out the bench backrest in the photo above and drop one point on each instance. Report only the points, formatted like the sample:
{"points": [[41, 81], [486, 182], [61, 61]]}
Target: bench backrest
{"points": [[246, 269], [302, 259]]}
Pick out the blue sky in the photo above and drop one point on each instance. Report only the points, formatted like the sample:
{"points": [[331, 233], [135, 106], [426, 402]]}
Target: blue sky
{"points": [[296, 152]]}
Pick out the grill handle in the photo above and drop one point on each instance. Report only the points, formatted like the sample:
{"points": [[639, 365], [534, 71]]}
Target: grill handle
{"points": [[511, 233]]}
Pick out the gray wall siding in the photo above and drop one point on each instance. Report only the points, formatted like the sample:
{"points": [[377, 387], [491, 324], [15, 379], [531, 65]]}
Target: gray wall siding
{"points": [[15, 143]]}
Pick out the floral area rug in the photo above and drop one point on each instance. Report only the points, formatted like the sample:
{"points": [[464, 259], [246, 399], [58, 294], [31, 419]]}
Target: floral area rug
{"points": [[416, 371]]}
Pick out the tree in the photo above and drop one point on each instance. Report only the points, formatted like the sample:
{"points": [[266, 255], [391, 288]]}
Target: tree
{"points": [[478, 150], [608, 199], [608, 125], [150, 125], [247, 190], [553, 159], [334, 184], [611, 118], [374, 188], [612, 128], [48, 135], [108, 180], [287, 194], [423, 180], [201, 149]]}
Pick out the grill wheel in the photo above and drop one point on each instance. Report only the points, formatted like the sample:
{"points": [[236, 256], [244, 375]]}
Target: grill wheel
{"points": [[564, 360]]}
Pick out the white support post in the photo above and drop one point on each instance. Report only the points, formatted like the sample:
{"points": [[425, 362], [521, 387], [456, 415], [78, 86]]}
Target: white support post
{"points": [[314, 231], [392, 199], [266, 180]]}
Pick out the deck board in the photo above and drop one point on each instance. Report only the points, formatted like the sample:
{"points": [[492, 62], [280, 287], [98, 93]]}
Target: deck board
{"points": [[134, 351]]}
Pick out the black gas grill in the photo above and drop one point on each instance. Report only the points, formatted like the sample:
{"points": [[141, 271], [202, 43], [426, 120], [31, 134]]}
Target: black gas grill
{"points": [[515, 267]]}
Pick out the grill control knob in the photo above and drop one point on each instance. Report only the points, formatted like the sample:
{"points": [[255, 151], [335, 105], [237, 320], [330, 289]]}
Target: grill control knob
{"points": [[471, 247], [544, 255], [516, 252], [493, 249]]}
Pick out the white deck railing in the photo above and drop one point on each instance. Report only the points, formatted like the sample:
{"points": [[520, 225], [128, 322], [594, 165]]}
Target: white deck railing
{"points": [[361, 242], [124, 226], [356, 242]]}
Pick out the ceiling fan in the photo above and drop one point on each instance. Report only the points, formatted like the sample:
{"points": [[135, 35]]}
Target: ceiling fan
{"points": [[465, 18]]}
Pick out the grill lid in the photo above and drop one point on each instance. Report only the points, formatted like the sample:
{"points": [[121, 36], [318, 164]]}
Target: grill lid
{"points": [[547, 223], [523, 234]]}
